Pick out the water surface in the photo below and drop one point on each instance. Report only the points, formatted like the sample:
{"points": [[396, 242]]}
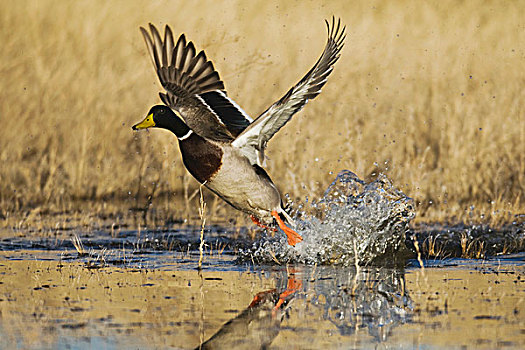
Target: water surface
{"points": [[46, 302], [356, 281]]}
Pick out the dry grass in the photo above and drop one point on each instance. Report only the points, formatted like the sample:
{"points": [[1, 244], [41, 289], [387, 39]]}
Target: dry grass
{"points": [[429, 93]]}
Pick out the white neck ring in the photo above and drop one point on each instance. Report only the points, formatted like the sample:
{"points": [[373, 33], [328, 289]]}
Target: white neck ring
{"points": [[188, 134]]}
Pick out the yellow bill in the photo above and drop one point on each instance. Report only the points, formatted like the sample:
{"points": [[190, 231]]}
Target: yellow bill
{"points": [[146, 123]]}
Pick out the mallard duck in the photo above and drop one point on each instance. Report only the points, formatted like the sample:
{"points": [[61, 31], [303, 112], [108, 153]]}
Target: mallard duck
{"points": [[221, 146]]}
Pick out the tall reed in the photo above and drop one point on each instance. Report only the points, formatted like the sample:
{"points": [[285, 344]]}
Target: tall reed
{"points": [[430, 93]]}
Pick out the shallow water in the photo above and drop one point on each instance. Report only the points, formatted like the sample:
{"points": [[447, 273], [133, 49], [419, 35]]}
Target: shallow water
{"points": [[46, 302], [353, 223], [354, 282]]}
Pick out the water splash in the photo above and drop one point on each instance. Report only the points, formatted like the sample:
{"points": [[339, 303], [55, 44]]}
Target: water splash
{"points": [[354, 223]]}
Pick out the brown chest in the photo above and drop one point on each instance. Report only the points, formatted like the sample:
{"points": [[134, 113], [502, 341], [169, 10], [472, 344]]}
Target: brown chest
{"points": [[202, 158]]}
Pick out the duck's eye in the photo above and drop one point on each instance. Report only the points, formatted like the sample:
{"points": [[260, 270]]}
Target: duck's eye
{"points": [[161, 111]]}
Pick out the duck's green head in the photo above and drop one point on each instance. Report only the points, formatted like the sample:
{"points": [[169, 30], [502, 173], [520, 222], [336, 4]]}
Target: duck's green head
{"points": [[161, 116]]}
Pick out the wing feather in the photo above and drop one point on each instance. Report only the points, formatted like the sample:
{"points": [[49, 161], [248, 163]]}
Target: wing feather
{"points": [[185, 74], [181, 70], [252, 141]]}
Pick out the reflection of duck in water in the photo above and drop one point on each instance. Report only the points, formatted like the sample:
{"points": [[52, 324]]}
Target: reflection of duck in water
{"points": [[338, 300], [258, 325], [221, 146]]}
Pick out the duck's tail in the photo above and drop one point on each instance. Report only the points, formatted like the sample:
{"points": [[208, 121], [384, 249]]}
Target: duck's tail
{"points": [[286, 217]]}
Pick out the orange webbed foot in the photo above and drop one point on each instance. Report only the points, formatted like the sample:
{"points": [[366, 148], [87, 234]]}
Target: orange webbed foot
{"points": [[293, 237]]}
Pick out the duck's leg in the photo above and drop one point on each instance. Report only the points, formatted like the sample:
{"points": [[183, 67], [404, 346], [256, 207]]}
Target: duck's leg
{"points": [[293, 237], [260, 224]]}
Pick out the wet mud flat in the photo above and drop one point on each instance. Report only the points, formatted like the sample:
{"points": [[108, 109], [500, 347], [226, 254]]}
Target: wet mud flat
{"points": [[47, 302]]}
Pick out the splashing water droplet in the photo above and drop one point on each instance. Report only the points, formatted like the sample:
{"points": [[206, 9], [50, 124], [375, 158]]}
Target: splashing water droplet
{"points": [[354, 222]]}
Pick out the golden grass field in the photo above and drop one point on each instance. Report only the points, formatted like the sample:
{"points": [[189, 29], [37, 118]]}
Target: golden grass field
{"points": [[429, 93]]}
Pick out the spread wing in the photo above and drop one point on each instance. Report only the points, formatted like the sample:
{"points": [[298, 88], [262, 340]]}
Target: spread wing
{"points": [[193, 86], [252, 141], [181, 70]]}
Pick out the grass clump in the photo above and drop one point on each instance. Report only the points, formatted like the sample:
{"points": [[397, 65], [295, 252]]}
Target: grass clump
{"points": [[429, 93]]}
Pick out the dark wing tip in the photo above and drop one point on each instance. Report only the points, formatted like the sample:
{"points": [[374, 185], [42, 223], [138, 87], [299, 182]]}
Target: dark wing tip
{"points": [[179, 66], [335, 30]]}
